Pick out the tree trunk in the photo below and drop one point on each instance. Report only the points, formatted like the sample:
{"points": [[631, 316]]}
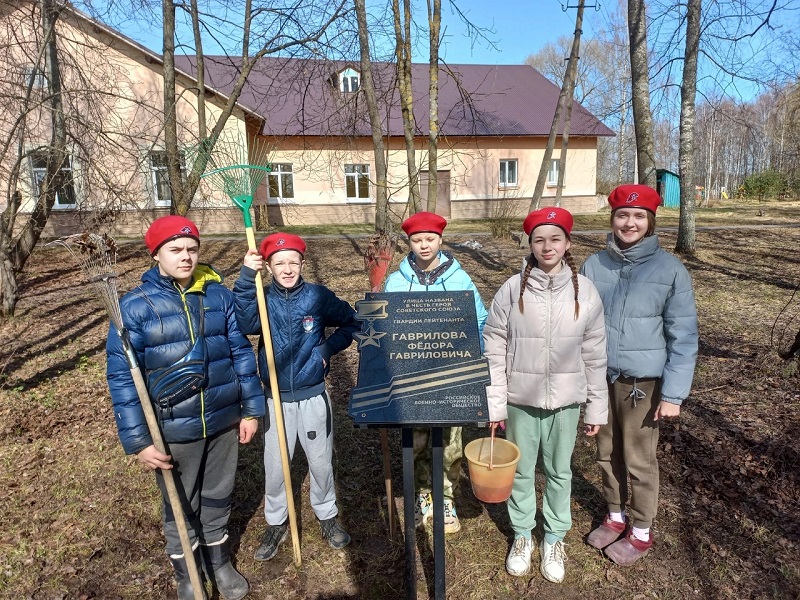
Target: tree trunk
{"points": [[382, 221], [434, 25], [567, 90], [686, 225], [14, 253], [202, 128], [179, 204], [402, 34], [572, 72], [640, 94]]}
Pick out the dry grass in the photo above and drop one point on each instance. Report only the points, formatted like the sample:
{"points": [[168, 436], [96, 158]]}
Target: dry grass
{"points": [[81, 520]]}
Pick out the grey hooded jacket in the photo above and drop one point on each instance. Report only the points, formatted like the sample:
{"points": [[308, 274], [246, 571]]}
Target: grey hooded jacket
{"points": [[650, 314]]}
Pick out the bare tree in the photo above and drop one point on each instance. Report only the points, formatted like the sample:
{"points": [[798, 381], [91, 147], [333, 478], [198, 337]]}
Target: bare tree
{"points": [[295, 26], [402, 31], [686, 227], [434, 28], [565, 97], [640, 93], [15, 250], [382, 221]]}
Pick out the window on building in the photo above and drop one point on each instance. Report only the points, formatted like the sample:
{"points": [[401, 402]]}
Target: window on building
{"points": [[65, 194], [162, 193], [356, 179], [280, 181], [508, 173], [349, 81], [552, 172], [32, 74]]}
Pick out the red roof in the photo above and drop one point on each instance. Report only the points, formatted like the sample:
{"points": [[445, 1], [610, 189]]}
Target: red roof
{"points": [[301, 97]]}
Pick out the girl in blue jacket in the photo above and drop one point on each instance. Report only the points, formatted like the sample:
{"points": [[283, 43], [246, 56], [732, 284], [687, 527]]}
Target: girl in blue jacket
{"points": [[299, 313], [428, 268], [182, 306], [651, 334]]}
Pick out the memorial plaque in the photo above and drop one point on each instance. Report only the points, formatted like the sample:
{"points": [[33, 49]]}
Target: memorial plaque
{"points": [[420, 360]]}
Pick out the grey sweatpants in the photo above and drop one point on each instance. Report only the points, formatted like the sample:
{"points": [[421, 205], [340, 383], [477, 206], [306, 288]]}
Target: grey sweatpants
{"points": [[204, 472], [311, 422]]}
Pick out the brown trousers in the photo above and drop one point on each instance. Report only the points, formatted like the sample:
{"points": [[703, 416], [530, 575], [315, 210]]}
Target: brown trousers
{"points": [[627, 446]]}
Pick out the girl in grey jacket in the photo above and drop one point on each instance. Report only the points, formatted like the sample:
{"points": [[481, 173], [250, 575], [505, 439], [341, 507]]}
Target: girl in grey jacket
{"points": [[545, 342], [651, 328]]}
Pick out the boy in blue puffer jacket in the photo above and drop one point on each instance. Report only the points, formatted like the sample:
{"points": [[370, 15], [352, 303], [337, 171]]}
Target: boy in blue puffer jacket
{"points": [[428, 268], [181, 305], [299, 312]]}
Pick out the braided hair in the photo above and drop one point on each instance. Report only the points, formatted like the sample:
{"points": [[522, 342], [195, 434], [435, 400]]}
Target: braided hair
{"points": [[530, 263], [571, 264]]}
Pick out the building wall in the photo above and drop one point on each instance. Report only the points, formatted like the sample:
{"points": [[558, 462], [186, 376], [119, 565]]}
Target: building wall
{"points": [[473, 165], [113, 99]]}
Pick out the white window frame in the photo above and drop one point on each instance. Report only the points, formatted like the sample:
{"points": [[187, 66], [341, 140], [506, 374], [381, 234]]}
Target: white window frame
{"points": [[31, 73], [156, 172], [552, 172], [349, 81], [279, 175], [358, 174], [505, 173], [38, 173]]}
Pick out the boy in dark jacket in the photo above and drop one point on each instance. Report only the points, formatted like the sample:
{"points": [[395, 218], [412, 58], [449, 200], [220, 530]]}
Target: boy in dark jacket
{"points": [[299, 312], [181, 305]]}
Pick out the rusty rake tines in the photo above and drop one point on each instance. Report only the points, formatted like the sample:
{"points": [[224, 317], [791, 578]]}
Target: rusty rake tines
{"points": [[96, 256]]}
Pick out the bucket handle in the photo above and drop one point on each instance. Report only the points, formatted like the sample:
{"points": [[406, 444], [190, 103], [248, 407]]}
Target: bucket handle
{"points": [[491, 449]]}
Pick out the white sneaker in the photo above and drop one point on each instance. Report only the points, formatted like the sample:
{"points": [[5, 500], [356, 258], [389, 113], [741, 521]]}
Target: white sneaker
{"points": [[451, 522], [553, 558], [518, 562], [423, 509]]}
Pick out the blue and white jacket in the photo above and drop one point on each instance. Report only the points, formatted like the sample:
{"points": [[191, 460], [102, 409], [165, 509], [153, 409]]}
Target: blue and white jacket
{"points": [[650, 314], [454, 278], [163, 321], [297, 319]]}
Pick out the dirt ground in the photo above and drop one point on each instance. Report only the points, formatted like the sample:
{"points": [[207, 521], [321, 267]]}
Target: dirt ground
{"points": [[79, 519]]}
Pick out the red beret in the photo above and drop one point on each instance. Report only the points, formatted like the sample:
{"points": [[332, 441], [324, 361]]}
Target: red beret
{"points": [[549, 215], [634, 196], [169, 228], [281, 241], [424, 221]]}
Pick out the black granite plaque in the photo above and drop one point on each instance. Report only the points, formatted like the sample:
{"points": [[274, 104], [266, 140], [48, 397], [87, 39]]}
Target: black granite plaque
{"points": [[420, 360]]}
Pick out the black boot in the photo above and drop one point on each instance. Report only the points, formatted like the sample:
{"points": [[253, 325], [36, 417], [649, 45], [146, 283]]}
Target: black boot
{"points": [[217, 565], [182, 579]]}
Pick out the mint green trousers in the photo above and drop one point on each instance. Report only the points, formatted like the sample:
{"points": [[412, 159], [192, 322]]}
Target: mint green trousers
{"points": [[551, 433]]}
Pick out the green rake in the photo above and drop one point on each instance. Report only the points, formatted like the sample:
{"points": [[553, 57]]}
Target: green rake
{"points": [[232, 174], [236, 172]]}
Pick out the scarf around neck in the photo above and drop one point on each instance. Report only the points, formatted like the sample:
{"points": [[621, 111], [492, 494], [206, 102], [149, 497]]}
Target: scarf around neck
{"points": [[429, 277]]}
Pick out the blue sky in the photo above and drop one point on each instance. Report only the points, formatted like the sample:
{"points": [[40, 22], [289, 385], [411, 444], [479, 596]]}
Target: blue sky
{"points": [[519, 28]]}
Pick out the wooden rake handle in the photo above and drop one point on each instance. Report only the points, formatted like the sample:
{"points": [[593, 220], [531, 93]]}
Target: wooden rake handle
{"points": [[276, 401]]}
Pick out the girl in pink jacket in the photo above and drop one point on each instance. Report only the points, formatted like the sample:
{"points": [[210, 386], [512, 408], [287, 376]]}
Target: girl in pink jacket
{"points": [[546, 345]]}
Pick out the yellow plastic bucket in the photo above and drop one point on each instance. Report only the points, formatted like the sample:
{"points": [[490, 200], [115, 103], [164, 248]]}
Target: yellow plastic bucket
{"points": [[491, 485]]}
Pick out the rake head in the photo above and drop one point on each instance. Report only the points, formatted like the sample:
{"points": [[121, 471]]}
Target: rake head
{"points": [[237, 168], [96, 256]]}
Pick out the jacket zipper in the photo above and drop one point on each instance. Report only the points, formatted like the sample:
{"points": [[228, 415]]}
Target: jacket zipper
{"points": [[291, 344], [192, 340], [548, 308]]}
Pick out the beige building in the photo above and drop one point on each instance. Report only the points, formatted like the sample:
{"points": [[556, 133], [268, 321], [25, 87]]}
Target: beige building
{"points": [[310, 114]]}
